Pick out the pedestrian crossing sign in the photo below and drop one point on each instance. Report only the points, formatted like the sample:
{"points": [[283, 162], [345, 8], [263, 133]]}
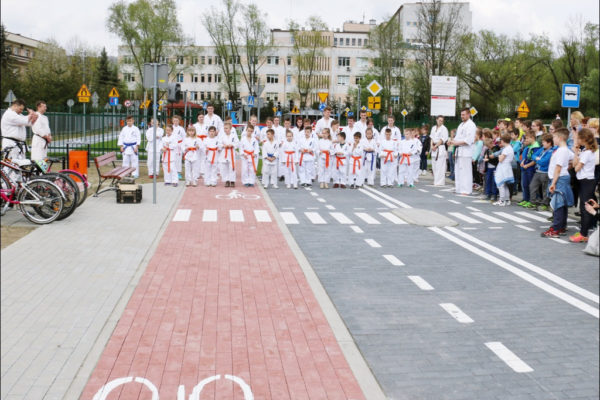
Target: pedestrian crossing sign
{"points": [[113, 92]]}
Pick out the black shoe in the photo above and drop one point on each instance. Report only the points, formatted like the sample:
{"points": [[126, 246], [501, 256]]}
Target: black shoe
{"points": [[577, 214], [227, 184], [281, 179]]}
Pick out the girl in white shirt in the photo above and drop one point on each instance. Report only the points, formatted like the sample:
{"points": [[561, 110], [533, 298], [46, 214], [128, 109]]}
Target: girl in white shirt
{"points": [[584, 163], [191, 149], [504, 173]]}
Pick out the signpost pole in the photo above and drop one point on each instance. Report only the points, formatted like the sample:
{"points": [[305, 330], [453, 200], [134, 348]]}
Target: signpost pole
{"points": [[154, 96], [403, 121], [358, 102], [84, 122]]}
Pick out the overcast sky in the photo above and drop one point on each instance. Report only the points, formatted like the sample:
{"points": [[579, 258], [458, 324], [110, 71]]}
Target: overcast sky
{"points": [[85, 21]]}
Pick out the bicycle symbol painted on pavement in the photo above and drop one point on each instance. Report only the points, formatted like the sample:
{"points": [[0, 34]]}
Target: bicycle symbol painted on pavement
{"points": [[234, 194]]}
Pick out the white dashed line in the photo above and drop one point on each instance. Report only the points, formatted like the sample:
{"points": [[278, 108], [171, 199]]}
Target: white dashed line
{"points": [[262, 216], [511, 217], [319, 199], [393, 259], [420, 282], [438, 196], [464, 218], [288, 218], [209, 216], [392, 218], [488, 217], [315, 218], [288, 208], [495, 227], [531, 215], [357, 229], [313, 194], [423, 190], [236, 216], [454, 201], [473, 209], [330, 207], [341, 218], [508, 357], [456, 313], [182, 215], [561, 241], [372, 243], [367, 218]]}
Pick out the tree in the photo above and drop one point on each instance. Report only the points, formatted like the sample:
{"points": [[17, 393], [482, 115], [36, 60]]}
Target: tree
{"points": [[256, 39], [386, 42], [149, 28], [106, 77], [10, 77], [308, 55]]}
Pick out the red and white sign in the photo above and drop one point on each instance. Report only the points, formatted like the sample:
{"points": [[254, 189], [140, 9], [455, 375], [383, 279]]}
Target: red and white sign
{"points": [[443, 95], [127, 103]]}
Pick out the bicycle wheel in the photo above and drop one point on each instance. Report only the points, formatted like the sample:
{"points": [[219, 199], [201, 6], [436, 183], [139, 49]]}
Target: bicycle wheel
{"points": [[6, 188], [40, 194], [69, 189], [81, 182]]}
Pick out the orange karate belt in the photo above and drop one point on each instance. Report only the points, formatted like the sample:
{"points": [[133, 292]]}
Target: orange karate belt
{"points": [[202, 137], [251, 154], [188, 150], [302, 156], [327, 160], [168, 153], [214, 150], [405, 156], [355, 163], [339, 161], [290, 159], [389, 156], [227, 150]]}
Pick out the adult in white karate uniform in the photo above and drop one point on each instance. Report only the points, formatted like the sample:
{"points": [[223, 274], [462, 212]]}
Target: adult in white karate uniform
{"points": [[154, 158], [179, 133], [129, 140], [41, 134], [439, 154], [324, 122], [13, 126], [463, 142], [212, 119]]}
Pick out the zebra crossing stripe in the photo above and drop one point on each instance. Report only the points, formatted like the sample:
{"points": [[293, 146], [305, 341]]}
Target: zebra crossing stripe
{"points": [[488, 217], [420, 282], [236, 216], [367, 218], [209, 216], [357, 229], [262, 216], [465, 218], [511, 217], [392, 218], [341, 218], [372, 243], [182, 215], [315, 218], [532, 216], [288, 218], [393, 259]]}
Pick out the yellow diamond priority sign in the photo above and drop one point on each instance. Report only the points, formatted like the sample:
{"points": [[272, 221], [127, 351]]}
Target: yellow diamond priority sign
{"points": [[404, 112], [374, 87], [473, 111]]}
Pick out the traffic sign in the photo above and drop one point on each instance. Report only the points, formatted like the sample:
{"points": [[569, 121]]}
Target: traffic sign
{"points": [[70, 103], [278, 113], [363, 108], [295, 110], [350, 113], [347, 109], [570, 95], [369, 113], [251, 101], [161, 102], [404, 112], [473, 111], [84, 99], [322, 106], [145, 104], [323, 96], [113, 93], [205, 105], [229, 105], [523, 110], [10, 97], [374, 87], [84, 92], [113, 101], [127, 103], [374, 102]]}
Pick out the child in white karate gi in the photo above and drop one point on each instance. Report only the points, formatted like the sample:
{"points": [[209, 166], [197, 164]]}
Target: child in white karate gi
{"points": [[289, 149], [229, 141], [325, 149], [369, 145], [388, 149], [212, 147], [355, 179], [169, 147], [192, 146], [249, 154], [405, 163], [341, 150], [270, 153], [307, 146], [129, 140]]}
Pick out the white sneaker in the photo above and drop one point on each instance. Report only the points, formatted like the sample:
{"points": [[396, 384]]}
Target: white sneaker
{"points": [[507, 202], [498, 203], [275, 187], [288, 186]]}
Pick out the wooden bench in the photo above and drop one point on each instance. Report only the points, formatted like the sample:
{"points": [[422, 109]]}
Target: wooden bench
{"points": [[115, 174]]}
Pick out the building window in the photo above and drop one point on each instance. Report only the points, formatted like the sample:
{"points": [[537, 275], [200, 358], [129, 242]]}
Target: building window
{"points": [[209, 60], [272, 96], [202, 78], [395, 100], [209, 78], [194, 96], [347, 41], [353, 41], [218, 78], [289, 60], [272, 78], [129, 77], [202, 96], [180, 77], [359, 79], [202, 60], [407, 23], [343, 80], [127, 60], [273, 60], [334, 41], [208, 96], [217, 95], [289, 79], [194, 60], [343, 61], [179, 60], [195, 78], [365, 42], [360, 42]]}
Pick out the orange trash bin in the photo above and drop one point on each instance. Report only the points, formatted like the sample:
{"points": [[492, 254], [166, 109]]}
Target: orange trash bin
{"points": [[78, 161]]}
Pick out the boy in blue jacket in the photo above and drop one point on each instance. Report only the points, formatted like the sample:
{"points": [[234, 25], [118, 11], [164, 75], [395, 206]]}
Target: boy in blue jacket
{"points": [[527, 165], [539, 182]]}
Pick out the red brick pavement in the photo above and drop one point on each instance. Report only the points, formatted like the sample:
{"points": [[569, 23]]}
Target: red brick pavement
{"points": [[222, 298]]}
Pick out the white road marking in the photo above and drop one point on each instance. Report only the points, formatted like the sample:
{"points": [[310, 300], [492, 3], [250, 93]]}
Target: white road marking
{"points": [[262, 216], [520, 273], [508, 357], [341, 218], [456, 313], [312, 208], [315, 218], [307, 188], [561, 241], [357, 229], [288, 218], [182, 215], [385, 203], [420, 282], [393, 218], [367, 218], [495, 227], [534, 268], [389, 198], [465, 218], [438, 196], [454, 201], [320, 199], [467, 228], [423, 190], [288, 208], [546, 213], [488, 217], [393, 259], [359, 208], [209, 216], [481, 201], [531, 215], [372, 243], [313, 194], [473, 209], [526, 228], [447, 190], [511, 217], [330, 207], [236, 216]]}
